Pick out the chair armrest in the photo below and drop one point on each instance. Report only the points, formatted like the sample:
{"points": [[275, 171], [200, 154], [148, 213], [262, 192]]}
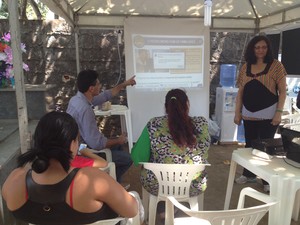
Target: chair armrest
{"points": [[248, 191], [103, 222], [170, 203], [290, 125], [106, 151], [139, 218], [109, 221]]}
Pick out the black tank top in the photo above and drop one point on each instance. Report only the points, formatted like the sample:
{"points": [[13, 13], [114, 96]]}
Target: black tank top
{"points": [[46, 205]]}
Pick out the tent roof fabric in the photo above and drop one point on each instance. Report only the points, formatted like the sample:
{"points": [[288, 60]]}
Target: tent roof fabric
{"points": [[251, 15]]}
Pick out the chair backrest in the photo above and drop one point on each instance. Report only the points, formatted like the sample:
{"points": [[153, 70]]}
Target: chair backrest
{"points": [[110, 169], [104, 222], [108, 222], [241, 216], [174, 179], [105, 151], [290, 120]]}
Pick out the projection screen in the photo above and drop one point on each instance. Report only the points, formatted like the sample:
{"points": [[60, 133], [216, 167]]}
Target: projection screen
{"points": [[163, 54]]}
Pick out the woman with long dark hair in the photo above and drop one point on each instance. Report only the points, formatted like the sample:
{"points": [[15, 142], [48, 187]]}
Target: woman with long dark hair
{"points": [[174, 138], [261, 95]]}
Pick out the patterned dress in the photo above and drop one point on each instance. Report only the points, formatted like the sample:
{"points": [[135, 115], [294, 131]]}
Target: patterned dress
{"points": [[164, 150]]}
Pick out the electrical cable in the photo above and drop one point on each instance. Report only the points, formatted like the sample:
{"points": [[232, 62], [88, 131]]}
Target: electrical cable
{"points": [[242, 55], [119, 55], [291, 164]]}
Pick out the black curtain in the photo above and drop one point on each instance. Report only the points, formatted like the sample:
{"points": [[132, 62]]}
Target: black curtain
{"points": [[275, 41], [291, 51]]}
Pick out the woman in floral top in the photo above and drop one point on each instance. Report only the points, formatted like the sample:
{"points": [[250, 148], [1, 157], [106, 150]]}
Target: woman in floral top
{"points": [[174, 138]]}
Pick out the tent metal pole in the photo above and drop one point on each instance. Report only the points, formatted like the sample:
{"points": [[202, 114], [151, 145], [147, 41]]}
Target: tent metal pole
{"points": [[77, 50]]}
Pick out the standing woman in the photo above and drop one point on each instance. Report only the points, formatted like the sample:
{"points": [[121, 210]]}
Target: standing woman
{"points": [[174, 138], [261, 96]]}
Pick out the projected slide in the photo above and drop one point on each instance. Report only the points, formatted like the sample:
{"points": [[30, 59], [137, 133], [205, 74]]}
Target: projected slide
{"points": [[162, 62]]}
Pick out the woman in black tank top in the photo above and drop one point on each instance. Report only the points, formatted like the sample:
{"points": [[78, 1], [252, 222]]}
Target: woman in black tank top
{"points": [[46, 190]]}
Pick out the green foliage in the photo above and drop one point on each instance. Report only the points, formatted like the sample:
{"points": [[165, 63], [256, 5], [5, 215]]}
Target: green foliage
{"points": [[30, 13], [42, 8], [4, 10]]}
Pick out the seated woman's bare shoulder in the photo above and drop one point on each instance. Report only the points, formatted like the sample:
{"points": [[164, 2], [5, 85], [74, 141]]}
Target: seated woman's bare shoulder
{"points": [[90, 177], [98, 186], [14, 188]]}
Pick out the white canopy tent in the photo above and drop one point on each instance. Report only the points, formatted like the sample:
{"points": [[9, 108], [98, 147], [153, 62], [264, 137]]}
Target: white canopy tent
{"points": [[270, 16], [247, 15], [253, 16]]}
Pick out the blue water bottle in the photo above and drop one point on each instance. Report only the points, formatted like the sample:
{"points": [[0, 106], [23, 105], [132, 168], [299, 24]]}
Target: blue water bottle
{"points": [[241, 133], [227, 75]]}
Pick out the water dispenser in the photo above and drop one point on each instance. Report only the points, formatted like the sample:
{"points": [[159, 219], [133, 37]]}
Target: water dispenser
{"points": [[228, 75]]}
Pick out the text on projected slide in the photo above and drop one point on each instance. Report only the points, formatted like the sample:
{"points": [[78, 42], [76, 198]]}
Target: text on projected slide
{"points": [[168, 61]]}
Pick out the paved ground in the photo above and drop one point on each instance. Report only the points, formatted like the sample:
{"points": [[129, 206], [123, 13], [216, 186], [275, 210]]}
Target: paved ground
{"points": [[219, 158]]}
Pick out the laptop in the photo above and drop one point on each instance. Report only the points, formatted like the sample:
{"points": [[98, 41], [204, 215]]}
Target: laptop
{"points": [[291, 142]]}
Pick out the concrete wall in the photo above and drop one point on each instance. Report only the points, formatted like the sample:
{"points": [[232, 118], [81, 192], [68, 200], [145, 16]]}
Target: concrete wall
{"points": [[35, 99]]}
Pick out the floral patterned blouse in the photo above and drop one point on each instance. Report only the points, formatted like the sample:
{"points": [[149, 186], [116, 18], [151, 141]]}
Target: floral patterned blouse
{"points": [[157, 141]]}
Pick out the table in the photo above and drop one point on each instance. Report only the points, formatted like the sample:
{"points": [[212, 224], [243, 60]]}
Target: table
{"points": [[125, 114], [284, 182]]}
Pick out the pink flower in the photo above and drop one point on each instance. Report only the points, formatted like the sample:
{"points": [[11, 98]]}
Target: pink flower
{"points": [[25, 67], [8, 52], [23, 47], [6, 37], [9, 71], [6, 57]]}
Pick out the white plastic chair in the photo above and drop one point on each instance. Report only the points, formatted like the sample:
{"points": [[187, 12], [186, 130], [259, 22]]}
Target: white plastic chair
{"points": [[173, 180], [295, 198], [290, 119], [239, 216], [107, 222], [110, 169], [103, 222], [106, 151]]}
